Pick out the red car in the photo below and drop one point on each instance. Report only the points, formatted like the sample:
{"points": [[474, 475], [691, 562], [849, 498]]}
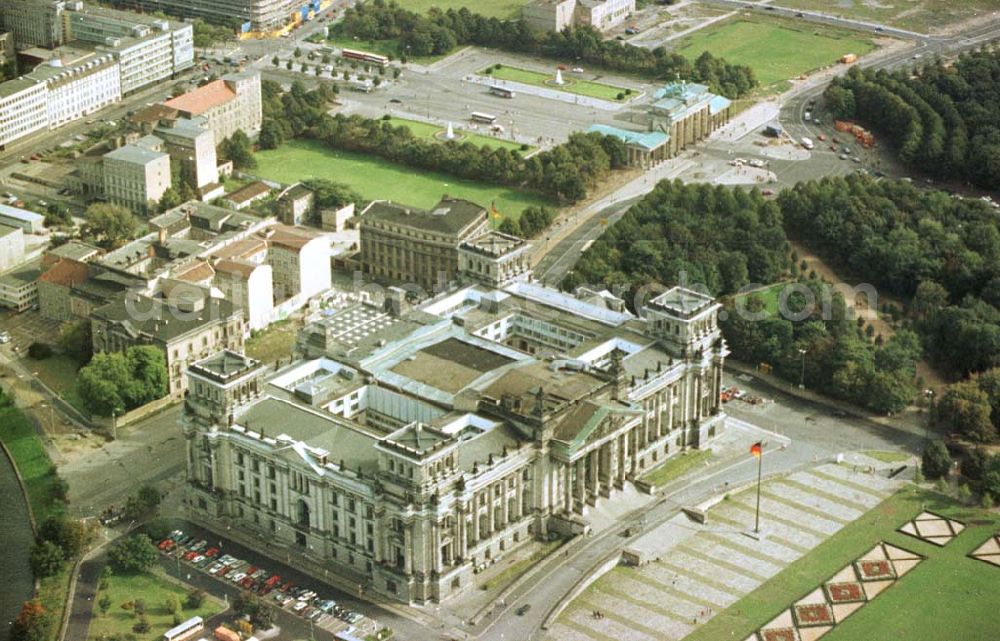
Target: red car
{"points": [[190, 555], [561, 67], [166, 545], [210, 552], [273, 581]]}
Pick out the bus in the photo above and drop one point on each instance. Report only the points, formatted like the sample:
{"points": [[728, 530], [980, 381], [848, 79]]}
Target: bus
{"points": [[478, 116], [186, 630], [364, 56], [502, 92]]}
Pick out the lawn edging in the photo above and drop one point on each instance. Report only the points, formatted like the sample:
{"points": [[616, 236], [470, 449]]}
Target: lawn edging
{"points": [[20, 484]]}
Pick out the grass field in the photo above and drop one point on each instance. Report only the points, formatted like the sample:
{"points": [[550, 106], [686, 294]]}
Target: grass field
{"points": [[537, 78], [488, 8], [275, 342], [32, 461], [770, 297], [916, 15], [375, 178], [677, 466], [947, 592], [152, 588], [429, 130], [58, 372], [775, 50]]}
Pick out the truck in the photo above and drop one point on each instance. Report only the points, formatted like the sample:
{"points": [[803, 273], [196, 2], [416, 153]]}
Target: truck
{"points": [[807, 143]]}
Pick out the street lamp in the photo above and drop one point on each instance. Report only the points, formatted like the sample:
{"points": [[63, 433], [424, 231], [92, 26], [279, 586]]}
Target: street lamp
{"points": [[802, 377]]}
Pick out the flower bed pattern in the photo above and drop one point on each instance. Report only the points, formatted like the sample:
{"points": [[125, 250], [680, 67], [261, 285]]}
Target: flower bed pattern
{"points": [[814, 614], [874, 570], [932, 528], [989, 551], [842, 594]]}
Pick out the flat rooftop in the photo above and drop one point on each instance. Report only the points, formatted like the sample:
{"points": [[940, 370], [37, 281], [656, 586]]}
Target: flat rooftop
{"points": [[450, 365]]}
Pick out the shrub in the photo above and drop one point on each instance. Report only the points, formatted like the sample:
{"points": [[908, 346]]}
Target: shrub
{"points": [[39, 351], [936, 460]]}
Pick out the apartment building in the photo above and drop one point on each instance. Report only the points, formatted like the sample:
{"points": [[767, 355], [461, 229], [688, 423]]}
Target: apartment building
{"points": [[258, 15], [11, 247], [300, 260], [186, 328], [23, 109], [556, 15], [192, 144], [137, 175], [231, 103], [80, 89], [33, 22], [412, 245]]}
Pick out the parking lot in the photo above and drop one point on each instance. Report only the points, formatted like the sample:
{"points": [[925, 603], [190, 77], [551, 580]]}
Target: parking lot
{"points": [[196, 554]]}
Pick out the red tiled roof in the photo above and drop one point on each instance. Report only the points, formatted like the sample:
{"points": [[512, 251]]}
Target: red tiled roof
{"points": [[239, 268], [66, 272], [289, 237], [195, 273], [242, 248], [203, 98], [249, 192]]}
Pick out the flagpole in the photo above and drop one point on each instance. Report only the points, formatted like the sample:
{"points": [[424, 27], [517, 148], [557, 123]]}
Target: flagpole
{"points": [[760, 465]]}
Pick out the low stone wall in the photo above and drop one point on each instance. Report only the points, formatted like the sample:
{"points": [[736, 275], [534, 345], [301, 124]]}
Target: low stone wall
{"points": [[106, 422]]}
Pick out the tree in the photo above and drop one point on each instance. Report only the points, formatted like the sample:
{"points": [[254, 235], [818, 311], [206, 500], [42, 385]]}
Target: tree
{"points": [[142, 625], [173, 604], [46, 558], [70, 535], [75, 340], [39, 351], [104, 603], [975, 464], [147, 366], [195, 599], [134, 554], [239, 150], [170, 199], [965, 408], [108, 225], [275, 61], [297, 53], [32, 624], [57, 215], [114, 382], [936, 460]]}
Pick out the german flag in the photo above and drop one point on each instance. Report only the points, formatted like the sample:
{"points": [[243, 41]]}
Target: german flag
{"points": [[755, 449], [496, 213]]}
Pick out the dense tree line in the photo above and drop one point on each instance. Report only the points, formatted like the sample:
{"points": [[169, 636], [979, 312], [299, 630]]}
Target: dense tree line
{"points": [[533, 221], [440, 32], [720, 240], [718, 237], [971, 408], [114, 382], [287, 115], [944, 119], [564, 172], [941, 252]]}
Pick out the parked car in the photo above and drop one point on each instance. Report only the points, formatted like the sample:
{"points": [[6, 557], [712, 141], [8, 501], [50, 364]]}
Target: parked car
{"points": [[521, 611]]}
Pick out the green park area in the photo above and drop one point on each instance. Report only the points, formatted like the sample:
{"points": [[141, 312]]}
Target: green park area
{"points": [[919, 15], [769, 296], [571, 85], [431, 131], [489, 8], [154, 590], [947, 591], [45, 488], [776, 50], [59, 372], [378, 179]]}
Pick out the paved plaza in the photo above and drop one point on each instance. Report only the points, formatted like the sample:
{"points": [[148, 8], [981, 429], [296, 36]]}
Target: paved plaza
{"points": [[696, 571]]}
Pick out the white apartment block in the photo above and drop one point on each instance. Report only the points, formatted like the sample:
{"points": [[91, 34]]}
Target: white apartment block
{"points": [[80, 89], [556, 15], [300, 260], [250, 287], [22, 109], [192, 144], [136, 176]]}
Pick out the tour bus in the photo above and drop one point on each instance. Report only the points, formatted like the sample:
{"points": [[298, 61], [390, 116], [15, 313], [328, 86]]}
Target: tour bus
{"points": [[478, 116], [187, 630], [364, 56], [502, 92]]}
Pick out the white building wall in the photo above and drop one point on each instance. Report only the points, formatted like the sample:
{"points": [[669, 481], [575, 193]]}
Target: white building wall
{"points": [[11, 249], [87, 92], [22, 113], [314, 267]]}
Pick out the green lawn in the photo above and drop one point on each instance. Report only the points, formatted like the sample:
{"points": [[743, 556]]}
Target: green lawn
{"points": [[775, 50], [429, 131], [32, 461], [887, 457], [677, 466], [770, 297], [153, 588], [516, 569], [275, 342], [58, 372], [572, 85], [375, 178], [947, 592], [488, 8], [916, 15]]}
